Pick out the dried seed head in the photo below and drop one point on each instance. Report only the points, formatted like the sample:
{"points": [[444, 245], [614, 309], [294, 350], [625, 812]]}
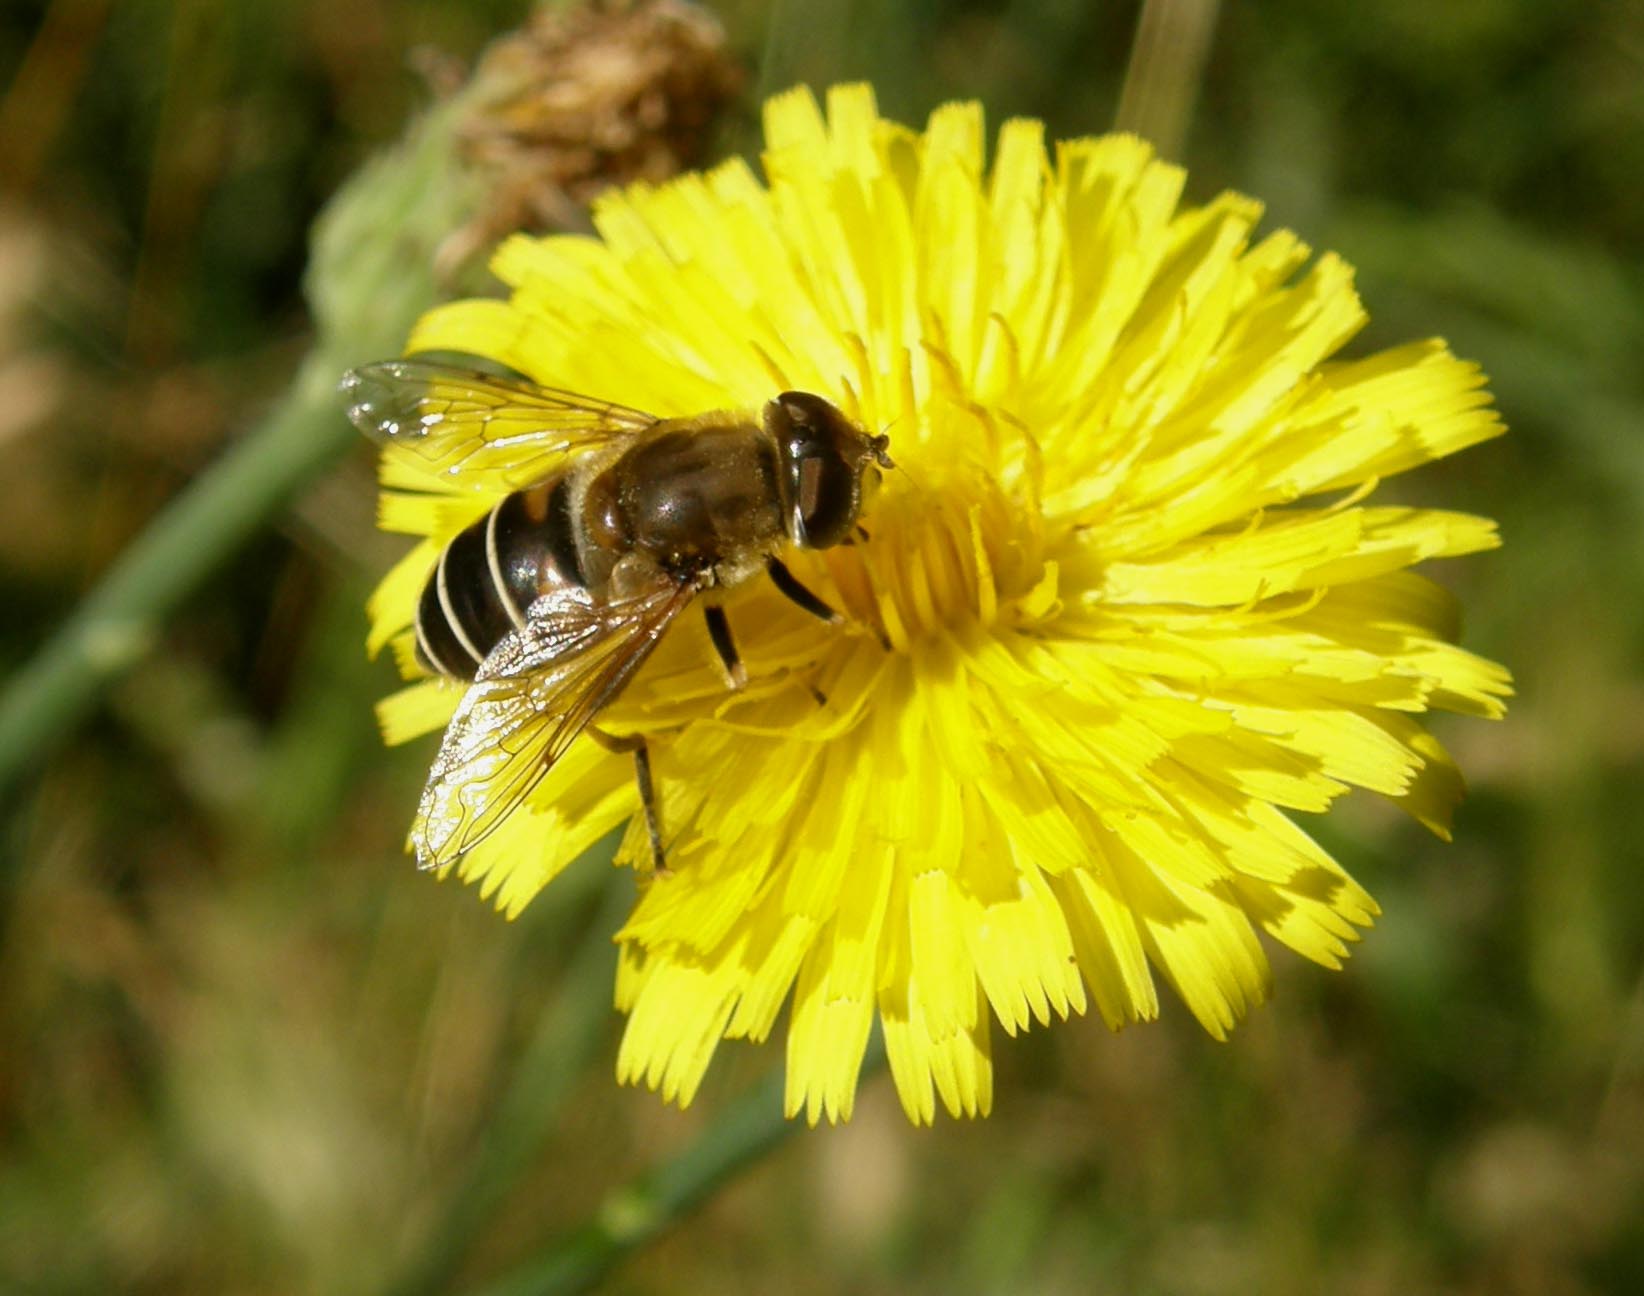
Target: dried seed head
{"points": [[579, 100]]}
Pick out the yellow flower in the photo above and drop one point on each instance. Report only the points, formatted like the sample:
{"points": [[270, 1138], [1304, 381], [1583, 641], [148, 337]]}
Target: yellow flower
{"points": [[1124, 605]]}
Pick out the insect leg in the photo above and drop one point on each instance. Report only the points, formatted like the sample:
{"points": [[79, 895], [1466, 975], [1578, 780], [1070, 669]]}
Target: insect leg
{"points": [[719, 630], [647, 791], [788, 583], [647, 797]]}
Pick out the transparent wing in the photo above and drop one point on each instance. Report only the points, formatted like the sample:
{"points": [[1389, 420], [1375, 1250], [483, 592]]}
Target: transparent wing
{"points": [[534, 694], [489, 433]]}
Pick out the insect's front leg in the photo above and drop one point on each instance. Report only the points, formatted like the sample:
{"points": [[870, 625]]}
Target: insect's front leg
{"points": [[795, 592], [635, 743]]}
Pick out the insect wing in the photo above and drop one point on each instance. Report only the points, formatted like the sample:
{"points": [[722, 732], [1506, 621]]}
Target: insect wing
{"points": [[489, 433], [534, 694]]}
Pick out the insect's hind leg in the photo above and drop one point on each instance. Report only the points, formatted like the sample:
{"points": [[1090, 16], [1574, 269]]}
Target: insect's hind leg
{"points": [[647, 790]]}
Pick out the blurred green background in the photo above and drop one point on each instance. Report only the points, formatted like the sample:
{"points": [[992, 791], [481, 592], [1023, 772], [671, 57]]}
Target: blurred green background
{"points": [[247, 1048]]}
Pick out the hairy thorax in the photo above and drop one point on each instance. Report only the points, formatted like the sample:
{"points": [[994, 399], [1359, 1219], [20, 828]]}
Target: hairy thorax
{"points": [[689, 499]]}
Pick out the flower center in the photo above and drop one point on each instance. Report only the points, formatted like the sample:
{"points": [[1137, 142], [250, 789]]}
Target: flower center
{"points": [[945, 553]]}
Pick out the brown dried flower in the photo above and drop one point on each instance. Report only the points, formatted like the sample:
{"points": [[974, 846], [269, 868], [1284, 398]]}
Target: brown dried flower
{"points": [[581, 99]]}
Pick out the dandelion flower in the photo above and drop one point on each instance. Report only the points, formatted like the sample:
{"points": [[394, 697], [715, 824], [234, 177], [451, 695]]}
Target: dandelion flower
{"points": [[1123, 608]]}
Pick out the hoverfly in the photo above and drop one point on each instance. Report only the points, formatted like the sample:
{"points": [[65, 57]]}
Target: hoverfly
{"points": [[614, 522]]}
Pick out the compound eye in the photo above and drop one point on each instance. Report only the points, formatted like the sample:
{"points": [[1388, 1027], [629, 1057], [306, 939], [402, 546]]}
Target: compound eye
{"points": [[821, 455], [825, 500], [811, 471]]}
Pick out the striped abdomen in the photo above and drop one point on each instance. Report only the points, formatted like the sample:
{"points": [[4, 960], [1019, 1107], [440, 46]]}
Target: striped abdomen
{"points": [[492, 572]]}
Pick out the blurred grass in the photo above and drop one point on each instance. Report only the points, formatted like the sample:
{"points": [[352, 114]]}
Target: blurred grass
{"points": [[247, 1048]]}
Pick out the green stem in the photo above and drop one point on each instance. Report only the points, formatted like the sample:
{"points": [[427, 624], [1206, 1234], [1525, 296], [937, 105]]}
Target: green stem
{"points": [[567, 1037], [1166, 71], [119, 620], [370, 276], [633, 1215]]}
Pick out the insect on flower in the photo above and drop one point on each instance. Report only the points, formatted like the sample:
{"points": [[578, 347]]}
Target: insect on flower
{"points": [[1129, 613], [614, 522]]}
